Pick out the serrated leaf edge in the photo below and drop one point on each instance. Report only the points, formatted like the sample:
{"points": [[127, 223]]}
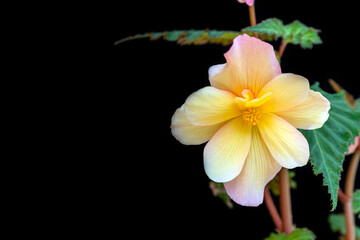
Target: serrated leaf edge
{"points": [[205, 36]]}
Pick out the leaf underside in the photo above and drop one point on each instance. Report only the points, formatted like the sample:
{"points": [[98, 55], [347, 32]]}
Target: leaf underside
{"points": [[188, 37], [329, 143]]}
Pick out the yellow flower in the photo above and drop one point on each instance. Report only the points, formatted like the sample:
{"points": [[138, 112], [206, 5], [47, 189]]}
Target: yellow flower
{"points": [[249, 115]]}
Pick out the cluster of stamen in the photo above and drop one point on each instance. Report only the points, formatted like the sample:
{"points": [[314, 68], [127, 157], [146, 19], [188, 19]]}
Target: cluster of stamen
{"points": [[251, 116]]}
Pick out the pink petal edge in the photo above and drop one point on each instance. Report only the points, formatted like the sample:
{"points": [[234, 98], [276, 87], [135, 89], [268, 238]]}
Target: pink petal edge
{"points": [[353, 146]]}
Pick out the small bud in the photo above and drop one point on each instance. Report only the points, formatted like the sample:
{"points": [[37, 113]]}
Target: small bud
{"points": [[248, 2]]}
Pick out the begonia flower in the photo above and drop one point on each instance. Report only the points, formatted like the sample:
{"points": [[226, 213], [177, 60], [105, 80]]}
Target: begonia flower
{"points": [[248, 2], [249, 115]]}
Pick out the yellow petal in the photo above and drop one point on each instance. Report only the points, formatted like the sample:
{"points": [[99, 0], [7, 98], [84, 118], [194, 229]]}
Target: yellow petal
{"points": [[220, 77], [288, 90], [259, 101], [260, 167], [225, 153], [311, 114], [251, 63], [210, 106], [187, 133], [286, 144], [248, 101]]}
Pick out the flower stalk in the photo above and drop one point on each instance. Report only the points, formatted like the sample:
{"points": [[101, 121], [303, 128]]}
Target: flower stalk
{"points": [[282, 48], [272, 210], [349, 190], [285, 201], [252, 15]]}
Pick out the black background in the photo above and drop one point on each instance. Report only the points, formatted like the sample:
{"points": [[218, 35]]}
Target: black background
{"points": [[154, 183]]}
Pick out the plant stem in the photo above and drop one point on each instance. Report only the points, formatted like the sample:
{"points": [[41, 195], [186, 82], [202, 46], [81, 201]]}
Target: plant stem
{"points": [[252, 15], [351, 174], [349, 220], [282, 48], [272, 210], [285, 201], [349, 189], [343, 198], [337, 88]]}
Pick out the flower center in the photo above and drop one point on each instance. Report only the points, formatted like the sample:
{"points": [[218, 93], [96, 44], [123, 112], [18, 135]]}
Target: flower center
{"points": [[247, 94], [251, 116], [249, 100]]}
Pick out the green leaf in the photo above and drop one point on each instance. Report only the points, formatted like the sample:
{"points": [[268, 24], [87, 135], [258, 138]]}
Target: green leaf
{"points": [[187, 37], [173, 35], [297, 234], [356, 202], [329, 143], [277, 236], [137, 36], [301, 234], [272, 27], [295, 32], [357, 105], [309, 38], [298, 33], [337, 224], [194, 34]]}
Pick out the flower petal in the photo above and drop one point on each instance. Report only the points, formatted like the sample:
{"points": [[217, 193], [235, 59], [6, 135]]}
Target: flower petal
{"points": [[286, 144], [210, 106], [288, 90], [310, 114], [251, 63], [187, 133], [225, 153], [260, 167], [220, 77]]}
